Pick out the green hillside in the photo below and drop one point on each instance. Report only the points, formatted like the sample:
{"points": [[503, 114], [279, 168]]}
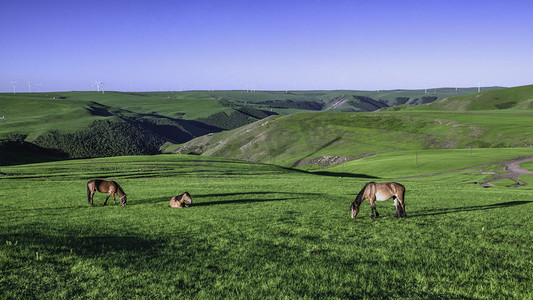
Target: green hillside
{"points": [[327, 138], [510, 98], [90, 124]]}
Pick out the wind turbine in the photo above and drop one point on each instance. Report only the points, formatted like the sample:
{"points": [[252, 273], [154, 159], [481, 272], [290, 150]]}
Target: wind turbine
{"points": [[38, 87], [102, 87], [29, 85], [14, 83]]}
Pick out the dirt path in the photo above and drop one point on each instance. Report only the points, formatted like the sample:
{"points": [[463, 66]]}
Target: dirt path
{"points": [[512, 171]]}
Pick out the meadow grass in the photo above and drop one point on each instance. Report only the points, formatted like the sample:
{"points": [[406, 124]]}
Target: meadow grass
{"points": [[254, 231], [427, 162]]}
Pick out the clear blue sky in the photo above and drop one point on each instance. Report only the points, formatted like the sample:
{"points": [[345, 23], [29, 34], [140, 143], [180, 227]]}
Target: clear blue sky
{"points": [[269, 44]]}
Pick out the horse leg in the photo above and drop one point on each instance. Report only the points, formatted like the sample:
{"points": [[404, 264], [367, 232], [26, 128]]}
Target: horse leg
{"points": [[114, 201], [403, 213], [106, 198], [397, 204], [401, 198], [90, 197], [90, 194], [373, 209]]}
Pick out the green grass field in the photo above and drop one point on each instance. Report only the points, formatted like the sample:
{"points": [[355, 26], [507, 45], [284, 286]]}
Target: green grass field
{"points": [[261, 231], [258, 230]]}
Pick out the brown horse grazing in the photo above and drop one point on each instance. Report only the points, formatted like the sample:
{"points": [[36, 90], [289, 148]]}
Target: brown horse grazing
{"points": [[380, 192], [105, 186], [177, 201]]}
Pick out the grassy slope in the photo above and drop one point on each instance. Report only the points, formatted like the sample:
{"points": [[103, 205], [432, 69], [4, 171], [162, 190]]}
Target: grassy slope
{"points": [[391, 165], [291, 140], [257, 231], [34, 114], [518, 97], [44, 118], [69, 111]]}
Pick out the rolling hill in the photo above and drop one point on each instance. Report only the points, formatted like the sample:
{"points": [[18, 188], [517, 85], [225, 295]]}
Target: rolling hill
{"points": [[91, 124], [325, 138], [510, 98]]}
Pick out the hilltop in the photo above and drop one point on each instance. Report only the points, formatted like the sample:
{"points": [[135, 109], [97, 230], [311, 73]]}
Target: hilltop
{"points": [[509, 98]]}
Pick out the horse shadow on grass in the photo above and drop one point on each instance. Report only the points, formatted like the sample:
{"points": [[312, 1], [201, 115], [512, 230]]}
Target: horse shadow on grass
{"points": [[442, 211], [267, 198], [342, 174], [241, 201]]}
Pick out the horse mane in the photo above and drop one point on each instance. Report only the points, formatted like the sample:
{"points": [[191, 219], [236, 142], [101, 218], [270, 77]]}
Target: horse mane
{"points": [[359, 198], [119, 188]]}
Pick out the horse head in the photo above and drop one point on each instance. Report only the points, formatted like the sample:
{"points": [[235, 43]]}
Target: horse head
{"points": [[354, 209], [123, 199], [187, 197]]}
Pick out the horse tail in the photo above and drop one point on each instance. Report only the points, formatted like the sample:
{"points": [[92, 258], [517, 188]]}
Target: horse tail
{"points": [[402, 198]]}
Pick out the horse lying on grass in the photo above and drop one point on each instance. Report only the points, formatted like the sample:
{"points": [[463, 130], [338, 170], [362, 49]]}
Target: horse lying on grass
{"points": [[105, 186], [380, 192], [178, 201]]}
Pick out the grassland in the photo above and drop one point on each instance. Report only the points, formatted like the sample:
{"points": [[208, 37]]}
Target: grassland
{"points": [[259, 230], [262, 231]]}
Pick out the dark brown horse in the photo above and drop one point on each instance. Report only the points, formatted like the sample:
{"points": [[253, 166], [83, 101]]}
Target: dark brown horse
{"points": [[380, 192], [105, 186], [178, 201]]}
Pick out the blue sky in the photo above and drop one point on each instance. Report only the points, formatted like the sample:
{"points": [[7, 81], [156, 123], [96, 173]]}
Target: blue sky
{"points": [[264, 45]]}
